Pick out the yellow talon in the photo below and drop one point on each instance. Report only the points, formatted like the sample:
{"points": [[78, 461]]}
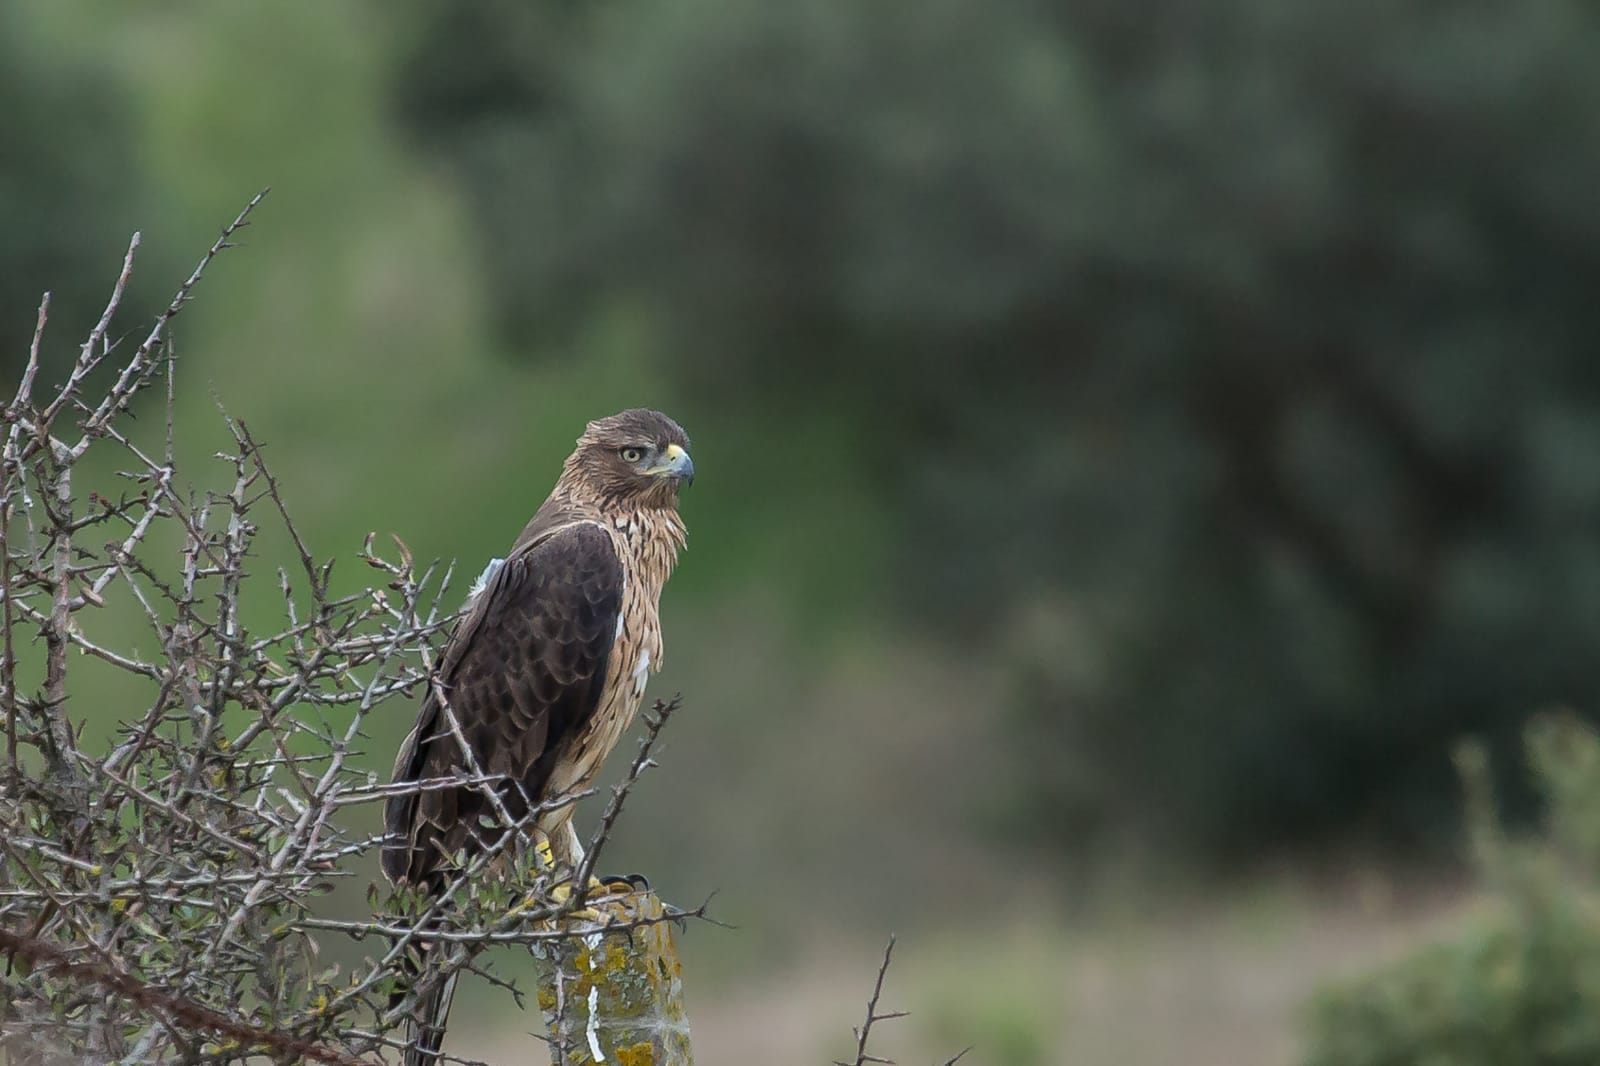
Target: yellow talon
{"points": [[563, 892], [545, 861]]}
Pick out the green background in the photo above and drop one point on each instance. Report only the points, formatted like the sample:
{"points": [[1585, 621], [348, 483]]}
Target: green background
{"points": [[1135, 441]]}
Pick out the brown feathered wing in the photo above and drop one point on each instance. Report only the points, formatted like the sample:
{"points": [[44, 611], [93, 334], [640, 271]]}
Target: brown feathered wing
{"points": [[522, 674]]}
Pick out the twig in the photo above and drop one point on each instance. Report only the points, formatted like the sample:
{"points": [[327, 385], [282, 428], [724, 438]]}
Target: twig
{"points": [[864, 1033], [25, 387], [88, 357], [163, 889], [131, 378], [176, 1009], [654, 723], [525, 932], [56, 636]]}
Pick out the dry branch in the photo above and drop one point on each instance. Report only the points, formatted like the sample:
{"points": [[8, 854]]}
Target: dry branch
{"points": [[171, 1010], [863, 1032], [160, 900]]}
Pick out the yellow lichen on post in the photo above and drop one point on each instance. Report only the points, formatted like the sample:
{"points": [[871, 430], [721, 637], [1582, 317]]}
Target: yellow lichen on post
{"points": [[616, 995]]}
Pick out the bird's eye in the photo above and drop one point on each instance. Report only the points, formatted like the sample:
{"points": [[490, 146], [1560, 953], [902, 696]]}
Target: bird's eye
{"points": [[631, 455]]}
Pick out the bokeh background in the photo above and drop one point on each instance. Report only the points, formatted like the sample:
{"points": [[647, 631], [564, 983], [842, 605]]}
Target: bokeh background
{"points": [[1136, 439]]}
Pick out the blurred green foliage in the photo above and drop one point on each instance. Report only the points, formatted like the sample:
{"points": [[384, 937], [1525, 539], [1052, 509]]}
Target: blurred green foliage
{"points": [[71, 193], [1522, 986], [1218, 379], [1225, 372], [1000, 995]]}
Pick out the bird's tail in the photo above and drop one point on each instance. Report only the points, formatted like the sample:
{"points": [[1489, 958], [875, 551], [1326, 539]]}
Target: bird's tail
{"points": [[425, 1027]]}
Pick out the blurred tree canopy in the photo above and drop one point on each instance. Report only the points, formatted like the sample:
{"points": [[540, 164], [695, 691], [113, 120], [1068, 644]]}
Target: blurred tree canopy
{"points": [[1228, 369], [71, 193]]}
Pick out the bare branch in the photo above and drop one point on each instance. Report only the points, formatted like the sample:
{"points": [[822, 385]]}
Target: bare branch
{"points": [[181, 1011], [654, 723], [159, 898], [135, 374], [25, 387], [90, 353], [864, 1033]]}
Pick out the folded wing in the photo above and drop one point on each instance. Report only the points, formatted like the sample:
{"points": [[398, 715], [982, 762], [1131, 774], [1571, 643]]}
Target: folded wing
{"points": [[523, 673]]}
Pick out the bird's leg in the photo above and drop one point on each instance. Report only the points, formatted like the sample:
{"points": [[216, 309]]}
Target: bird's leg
{"points": [[547, 867], [547, 864], [605, 884], [574, 846], [544, 856], [558, 872], [546, 870]]}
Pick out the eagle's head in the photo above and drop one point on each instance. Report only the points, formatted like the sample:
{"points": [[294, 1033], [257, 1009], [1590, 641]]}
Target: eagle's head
{"points": [[638, 457]]}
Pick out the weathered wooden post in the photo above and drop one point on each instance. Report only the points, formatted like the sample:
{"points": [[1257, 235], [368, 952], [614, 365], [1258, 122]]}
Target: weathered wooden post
{"points": [[616, 995]]}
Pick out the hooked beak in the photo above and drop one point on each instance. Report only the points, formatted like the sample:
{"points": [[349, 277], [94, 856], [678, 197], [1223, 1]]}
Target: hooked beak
{"points": [[675, 463]]}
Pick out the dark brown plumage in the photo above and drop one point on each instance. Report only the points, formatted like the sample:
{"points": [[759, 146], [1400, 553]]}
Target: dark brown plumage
{"points": [[547, 667], [525, 669]]}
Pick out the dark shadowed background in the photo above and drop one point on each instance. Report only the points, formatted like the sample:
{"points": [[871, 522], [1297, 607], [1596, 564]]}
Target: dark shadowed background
{"points": [[1136, 439]]}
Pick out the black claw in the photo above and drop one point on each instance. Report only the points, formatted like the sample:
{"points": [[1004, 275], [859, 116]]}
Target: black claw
{"points": [[635, 882]]}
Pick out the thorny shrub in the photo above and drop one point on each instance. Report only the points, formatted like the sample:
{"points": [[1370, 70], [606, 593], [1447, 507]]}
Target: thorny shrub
{"points": [[157, 897]]}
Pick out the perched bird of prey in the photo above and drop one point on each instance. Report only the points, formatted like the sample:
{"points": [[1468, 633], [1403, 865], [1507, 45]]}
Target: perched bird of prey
{"points": [[546, 669]]}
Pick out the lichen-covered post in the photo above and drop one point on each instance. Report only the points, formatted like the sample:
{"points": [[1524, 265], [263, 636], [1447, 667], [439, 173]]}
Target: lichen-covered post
{"points": [[616, 996]]}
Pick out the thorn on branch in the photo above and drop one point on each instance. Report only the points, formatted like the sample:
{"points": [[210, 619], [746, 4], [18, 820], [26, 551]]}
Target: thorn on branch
{"points": [[864, 1033], [175, 1009], [148, 883]]}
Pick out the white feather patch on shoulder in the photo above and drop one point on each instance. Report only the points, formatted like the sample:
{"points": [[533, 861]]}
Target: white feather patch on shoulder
{"points": [[484, 578]]}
